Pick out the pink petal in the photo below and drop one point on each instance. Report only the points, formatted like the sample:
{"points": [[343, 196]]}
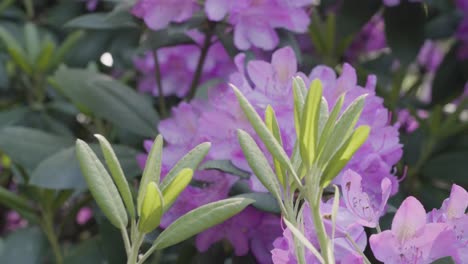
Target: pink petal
{"points": [[409, 219]]}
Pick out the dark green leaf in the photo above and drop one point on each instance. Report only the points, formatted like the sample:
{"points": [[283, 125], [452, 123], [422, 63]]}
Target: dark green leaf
{"points": [[25, 246], [451, 167], [102, 21], [446, 260], [224, 166]]}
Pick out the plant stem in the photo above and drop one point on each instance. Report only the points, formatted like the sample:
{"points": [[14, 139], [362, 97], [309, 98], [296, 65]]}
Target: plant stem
{"points": [[321, 232], [126, 240], [48, 227], [201, 61], [133, 256], [157, 76]]}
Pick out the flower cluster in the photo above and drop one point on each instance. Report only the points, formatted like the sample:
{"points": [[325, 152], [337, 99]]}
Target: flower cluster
{"points": [[178, 64], [417, 238], [247, 17], [218, 119], [371, 38]]}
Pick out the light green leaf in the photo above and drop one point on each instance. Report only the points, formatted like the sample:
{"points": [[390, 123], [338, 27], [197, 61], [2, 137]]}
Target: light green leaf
{"points": [[298, 234], [199, 220], [32, 40], [224, 166], [174, 189], [309, 123], [342, 130], [152, 171], [117, 174], [330, 124], [191, 161], [151, 209], [323, 117], [259, 164], [101, 186], [272, 124], [344, 154], [45, 55], [265, 135], [299, 91], [66, 46]]}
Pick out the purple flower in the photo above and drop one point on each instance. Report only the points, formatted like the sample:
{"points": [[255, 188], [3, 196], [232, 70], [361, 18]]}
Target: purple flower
{"points": [[84, 215], [255, 22], [397, 2], [157, 14], [346, 224], [217, 119], [430, 56], [371, 38], [178, 65], [453, 214], [411, 239], [366, 204], [14, 221], [462, 30]]}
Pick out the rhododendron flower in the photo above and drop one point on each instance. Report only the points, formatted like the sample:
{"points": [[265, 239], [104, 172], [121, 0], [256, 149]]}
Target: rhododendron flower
{"points": [[255, 21], [346, 225], [84, 215], [462, 31], [453, 214], [366, 204], [178, 65], [157, 14], [397, 2], [371, 38], [430, 56], [411, 240]]}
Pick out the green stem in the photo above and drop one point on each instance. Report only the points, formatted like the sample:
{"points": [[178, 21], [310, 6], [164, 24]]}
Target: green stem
{"points": [[321, 232], [157, 76], [48, 227], [28, 5], [133, 256], [128, 247], [201, 61]]}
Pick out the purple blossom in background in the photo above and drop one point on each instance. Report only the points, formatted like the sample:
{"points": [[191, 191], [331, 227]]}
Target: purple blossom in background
{"points": [[371, 38], [84, 215], [217, 119], [92, 4], [14, 221], [462, 31], [157, 14], [430, 56], [255, 22], [453, 214], [391, 3], [368, 205], [411, 240], [284, 253], [178, 65]]}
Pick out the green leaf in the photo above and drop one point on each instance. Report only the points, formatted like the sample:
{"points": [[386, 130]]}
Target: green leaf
{"points": [[26, 246], [344, 154], [151, 208], [265, 135], [28, 147], [450, 167], [152, 171], [445, 260], [330, 124], [263, 201], [174, 189], [199, 220], [191, 161], [44, 57], [66, 46], [17, 203], [117, 174], [32, 41], [342, 130], [259, 164], [300, 92], [309, 122], [108, 99], [224, 166], [404, 30], [298, 234], [272, 124], [101, 186], [89, 251], [102, 21]]}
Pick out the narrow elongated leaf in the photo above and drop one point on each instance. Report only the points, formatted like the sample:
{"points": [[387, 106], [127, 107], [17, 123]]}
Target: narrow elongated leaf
{"points": [[66, 46], [299, 92], [265, 135], [330, 124], [323, 117], [17, 203], [174, 189], [445, 260], [152, 171], [272, 124], [298, 234], [101, 21], [152, 208], [199, 220], [191, 161], [117, 174], [343, 129], [101, 186], [32, 41], [344, 155], [309, 122], [263, 201], [44, 58], [259, 164], [224, 166]]}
